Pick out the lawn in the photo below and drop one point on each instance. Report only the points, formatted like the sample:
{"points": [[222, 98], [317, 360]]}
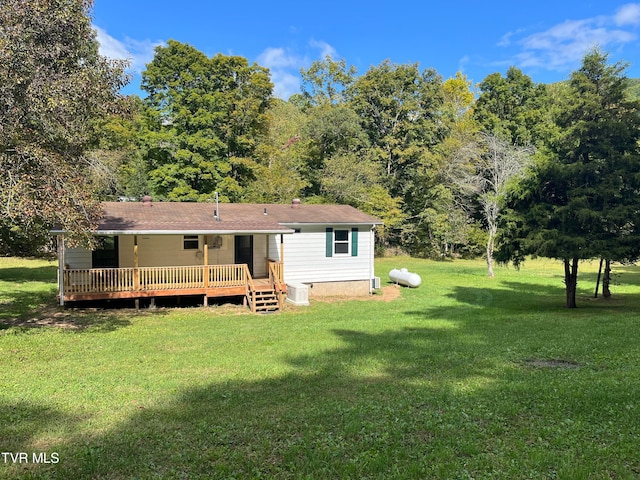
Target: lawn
{"points": [[463, 377]]}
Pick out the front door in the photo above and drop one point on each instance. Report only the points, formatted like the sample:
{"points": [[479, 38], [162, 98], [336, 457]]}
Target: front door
{"points": [[244, 250]]}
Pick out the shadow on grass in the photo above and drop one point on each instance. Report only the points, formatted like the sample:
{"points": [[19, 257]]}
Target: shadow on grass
{"points": [[22, 423], [324, 419], [410, 402], [74, 320], [23, 303], [29, 274], [509, 298], [408, 417]]}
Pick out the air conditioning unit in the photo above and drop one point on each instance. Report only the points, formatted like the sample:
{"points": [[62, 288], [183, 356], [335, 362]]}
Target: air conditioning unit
{"points": [[298, 294], [375, 282], [214, 241]]}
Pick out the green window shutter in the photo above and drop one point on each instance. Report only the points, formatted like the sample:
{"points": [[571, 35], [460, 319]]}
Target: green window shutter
{"points": [[354, 242], [329, 242]]}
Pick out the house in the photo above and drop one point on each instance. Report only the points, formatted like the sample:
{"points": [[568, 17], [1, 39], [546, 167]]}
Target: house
{"points": [[152, 249]]}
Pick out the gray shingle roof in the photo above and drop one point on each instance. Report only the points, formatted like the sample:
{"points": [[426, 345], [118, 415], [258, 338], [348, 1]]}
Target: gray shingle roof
{"points": [[168, 217]]}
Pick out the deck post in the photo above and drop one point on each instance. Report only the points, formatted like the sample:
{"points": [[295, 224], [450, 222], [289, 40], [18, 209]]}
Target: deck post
{"points": [[205, 269], [281, 247], [61, 268], [136, 271]]}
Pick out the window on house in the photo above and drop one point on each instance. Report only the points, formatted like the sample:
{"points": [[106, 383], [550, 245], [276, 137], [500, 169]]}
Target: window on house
{"points": [[190, 242], [341, 242]]}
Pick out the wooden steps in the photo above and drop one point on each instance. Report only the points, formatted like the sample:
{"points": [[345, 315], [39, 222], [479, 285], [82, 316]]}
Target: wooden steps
{"points": [[265, 301]]}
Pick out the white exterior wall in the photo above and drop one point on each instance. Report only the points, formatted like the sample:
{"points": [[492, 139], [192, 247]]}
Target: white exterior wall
{"points": [[79, 258], [305, 259]]}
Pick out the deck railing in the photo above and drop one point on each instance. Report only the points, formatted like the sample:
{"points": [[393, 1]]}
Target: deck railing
{"points": [[276, 272], [107, 280]]}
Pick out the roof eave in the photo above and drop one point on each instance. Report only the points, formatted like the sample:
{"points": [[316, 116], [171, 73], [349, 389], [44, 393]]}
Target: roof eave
{"points": [[183, 232]]}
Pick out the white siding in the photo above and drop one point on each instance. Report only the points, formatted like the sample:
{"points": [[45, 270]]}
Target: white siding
{"points": [[305, 257], [79, 258]]}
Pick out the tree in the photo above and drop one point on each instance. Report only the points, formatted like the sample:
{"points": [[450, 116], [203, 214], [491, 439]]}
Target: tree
{"points": [[280, 157], [455, 226], [331, 130], [582, 201], [54, 86], [513, 107], [500, 164], [400, 108], [325, 81], [210, 117]]}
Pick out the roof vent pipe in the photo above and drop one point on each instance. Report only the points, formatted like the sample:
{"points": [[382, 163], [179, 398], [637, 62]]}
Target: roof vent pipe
{"points": [[147, 201], [216, 212]]}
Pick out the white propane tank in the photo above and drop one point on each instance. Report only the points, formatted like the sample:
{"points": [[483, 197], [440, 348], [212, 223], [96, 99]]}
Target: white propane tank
{"points": [[404, 277]]}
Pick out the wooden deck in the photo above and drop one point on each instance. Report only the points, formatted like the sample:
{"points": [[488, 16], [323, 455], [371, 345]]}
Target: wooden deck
{"points": [[145, 282]]}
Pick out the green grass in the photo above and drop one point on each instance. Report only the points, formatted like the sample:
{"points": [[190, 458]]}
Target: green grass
{"points": [[463, 377]]}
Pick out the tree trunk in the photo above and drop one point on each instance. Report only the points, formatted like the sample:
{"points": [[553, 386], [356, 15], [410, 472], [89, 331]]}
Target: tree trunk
{"points": [[490, 244], [571, 281], [606, 279], [598, 279]]}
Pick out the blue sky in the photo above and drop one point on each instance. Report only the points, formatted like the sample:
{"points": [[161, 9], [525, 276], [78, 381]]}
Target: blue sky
{"points": [[545, 39]]}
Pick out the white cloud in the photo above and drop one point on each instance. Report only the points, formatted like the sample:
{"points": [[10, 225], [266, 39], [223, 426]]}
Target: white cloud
{"points": [[562, 46], [285, 66], [277, 58], [137, 52], [282, 64], [463, 62], [628, 14], [326, 50]]}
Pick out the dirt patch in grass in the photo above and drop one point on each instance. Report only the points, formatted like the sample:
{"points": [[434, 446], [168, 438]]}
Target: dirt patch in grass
{"points": [[551, 363], [56, 316], [387, 293]]}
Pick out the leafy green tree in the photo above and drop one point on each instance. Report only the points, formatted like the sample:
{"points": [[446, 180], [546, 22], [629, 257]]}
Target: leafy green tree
{"points": [[330, 130], [454, 227], [54, 86], [582, 201], [280, 158], [325, 81], [118, 166], [513, 107], [400, 108], [210, 115]]}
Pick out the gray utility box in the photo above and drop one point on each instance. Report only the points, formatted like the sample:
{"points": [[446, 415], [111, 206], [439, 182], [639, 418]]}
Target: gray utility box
{"points": [[298, 293]]}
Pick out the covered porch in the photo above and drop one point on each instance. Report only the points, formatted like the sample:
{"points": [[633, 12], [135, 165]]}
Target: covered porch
{"points": [[150, 282], [152, 266]]}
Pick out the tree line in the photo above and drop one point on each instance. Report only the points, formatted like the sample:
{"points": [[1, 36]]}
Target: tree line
{"points": [[506, 168]]}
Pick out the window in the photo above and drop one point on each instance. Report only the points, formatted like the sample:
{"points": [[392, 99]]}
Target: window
{"points": [[106, 253], [190, 242], [341, 242]]}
